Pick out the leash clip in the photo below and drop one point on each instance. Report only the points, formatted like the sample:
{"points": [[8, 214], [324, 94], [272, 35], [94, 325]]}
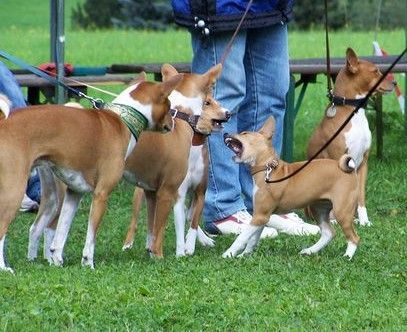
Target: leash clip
{"points": [[270, 167]]}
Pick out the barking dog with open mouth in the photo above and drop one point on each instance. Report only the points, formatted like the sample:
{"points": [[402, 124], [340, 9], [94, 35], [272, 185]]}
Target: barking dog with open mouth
{"points": [[323, 185], [86, 149], [352, 84]]}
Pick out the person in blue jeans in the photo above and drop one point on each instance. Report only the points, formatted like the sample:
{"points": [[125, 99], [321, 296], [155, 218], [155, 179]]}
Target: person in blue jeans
{"points": [[10, 88], [253, 85]]}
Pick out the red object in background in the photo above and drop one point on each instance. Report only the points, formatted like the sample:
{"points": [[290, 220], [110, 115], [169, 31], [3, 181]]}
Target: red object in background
{"points": [[51, 69]]}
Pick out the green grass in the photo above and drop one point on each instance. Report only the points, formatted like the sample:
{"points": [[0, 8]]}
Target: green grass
{"points": [[275, 289]]}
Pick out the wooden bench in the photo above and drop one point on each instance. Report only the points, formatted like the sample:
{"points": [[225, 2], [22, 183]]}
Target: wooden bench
{"points": [[302, 71]]}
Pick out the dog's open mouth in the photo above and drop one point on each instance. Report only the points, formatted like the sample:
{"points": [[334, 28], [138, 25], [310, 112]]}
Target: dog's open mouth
{"points": [[234, 144], [217, 124]]}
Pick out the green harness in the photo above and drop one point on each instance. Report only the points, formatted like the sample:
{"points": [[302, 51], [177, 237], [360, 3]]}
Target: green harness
{"points": [[133, 119]]}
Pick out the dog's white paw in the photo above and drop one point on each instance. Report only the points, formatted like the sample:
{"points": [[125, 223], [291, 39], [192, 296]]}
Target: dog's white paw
{"points": [[7, 269], [32, 254], [190, 241], [87, 262], [204, 239], [229, 254], [363, 219], [127, 246], [306, 251], [56, 259]]}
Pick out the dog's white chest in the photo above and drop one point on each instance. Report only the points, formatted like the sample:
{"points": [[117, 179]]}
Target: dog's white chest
{"points": [[359, 138], [195, 166]]}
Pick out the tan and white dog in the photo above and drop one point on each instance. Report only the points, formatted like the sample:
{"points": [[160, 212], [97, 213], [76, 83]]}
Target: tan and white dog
{"points": [[175, 167], [322, 185], [352, 84], [86, 149]]}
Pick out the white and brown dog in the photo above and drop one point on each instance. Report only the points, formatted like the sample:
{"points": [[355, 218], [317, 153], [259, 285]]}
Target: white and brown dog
{"points": [[322, 185], [352, 84], [86, 149], [184, 169]]}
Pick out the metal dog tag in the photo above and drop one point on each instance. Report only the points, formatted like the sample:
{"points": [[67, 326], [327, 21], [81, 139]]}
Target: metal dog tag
{"points": [[331, 111]]}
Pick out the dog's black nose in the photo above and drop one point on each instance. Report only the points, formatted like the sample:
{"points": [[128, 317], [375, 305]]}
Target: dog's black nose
{"points": [[394, 83], [227, 115], [225, 135]]}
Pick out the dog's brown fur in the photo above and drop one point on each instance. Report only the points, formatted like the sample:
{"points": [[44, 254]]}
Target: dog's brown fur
{"points": [[322, 185], [160, 171], [354, 80]]}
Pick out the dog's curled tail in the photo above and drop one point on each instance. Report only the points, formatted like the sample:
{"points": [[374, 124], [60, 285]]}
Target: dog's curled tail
{"points": [[5, 105], [347, 164]]}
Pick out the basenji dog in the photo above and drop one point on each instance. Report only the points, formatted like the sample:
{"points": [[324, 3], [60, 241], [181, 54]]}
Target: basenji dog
{"points": [[86, 149], [352, 84], [176, 166], [324, 184]]}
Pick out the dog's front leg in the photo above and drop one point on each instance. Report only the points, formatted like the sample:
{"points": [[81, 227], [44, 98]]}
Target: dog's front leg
{"points": [[164, 201], [69, 208], [242, 240], [179, 222]]}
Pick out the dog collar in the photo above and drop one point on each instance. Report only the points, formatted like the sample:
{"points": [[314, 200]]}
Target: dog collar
{"points": [[192, 120], [268, 169], [342, 101], [133, 119]]}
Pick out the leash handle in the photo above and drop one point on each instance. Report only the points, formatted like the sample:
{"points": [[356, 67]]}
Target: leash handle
{"points": [[361, 103]]}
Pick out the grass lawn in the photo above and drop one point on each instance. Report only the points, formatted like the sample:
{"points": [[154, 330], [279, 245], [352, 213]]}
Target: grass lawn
{"points": [[275, 289]]}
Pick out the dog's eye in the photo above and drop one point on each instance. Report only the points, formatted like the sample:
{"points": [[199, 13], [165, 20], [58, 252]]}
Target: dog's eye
{"points": [[207, 103]]}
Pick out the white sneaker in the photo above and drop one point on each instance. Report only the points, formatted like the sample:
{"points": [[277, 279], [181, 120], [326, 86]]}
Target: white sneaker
{"points": [[235, 223], [28, 205], [292, 224]]}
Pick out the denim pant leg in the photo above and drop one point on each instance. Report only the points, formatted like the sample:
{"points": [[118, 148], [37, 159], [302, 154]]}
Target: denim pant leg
{"points": [[10, 87], [267, 82], [223, 195]]}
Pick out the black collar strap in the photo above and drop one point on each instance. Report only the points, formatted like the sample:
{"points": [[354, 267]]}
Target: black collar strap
{"points": [[342, 101], [190, 119]]}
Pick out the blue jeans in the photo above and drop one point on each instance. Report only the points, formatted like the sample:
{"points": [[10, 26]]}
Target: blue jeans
{"points": [[10, 88], [253, 86]]}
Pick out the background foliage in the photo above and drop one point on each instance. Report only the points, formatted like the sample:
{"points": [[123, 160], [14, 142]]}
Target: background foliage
{"points": [[157, 14]]}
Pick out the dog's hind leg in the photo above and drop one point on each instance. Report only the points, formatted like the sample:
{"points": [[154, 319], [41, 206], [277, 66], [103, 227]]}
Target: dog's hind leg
{"points": [[98, 208], [69, 208], [49, 208], [320, 211], [363, 218], [131, 231]]}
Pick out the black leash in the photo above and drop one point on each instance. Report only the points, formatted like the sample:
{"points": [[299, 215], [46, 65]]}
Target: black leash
{"points": [[361, 103], [95, 102], [328, 56]]}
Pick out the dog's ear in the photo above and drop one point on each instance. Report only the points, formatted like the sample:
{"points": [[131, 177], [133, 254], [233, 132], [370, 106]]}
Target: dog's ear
{"points": [[211, 76], [268, 128], [168, 71], [168, 86], [351, 61]]}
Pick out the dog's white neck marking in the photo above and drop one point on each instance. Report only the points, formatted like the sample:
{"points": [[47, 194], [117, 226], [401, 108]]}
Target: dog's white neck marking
{"points": [[125, 98], [359, 138], [194, 103]]}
